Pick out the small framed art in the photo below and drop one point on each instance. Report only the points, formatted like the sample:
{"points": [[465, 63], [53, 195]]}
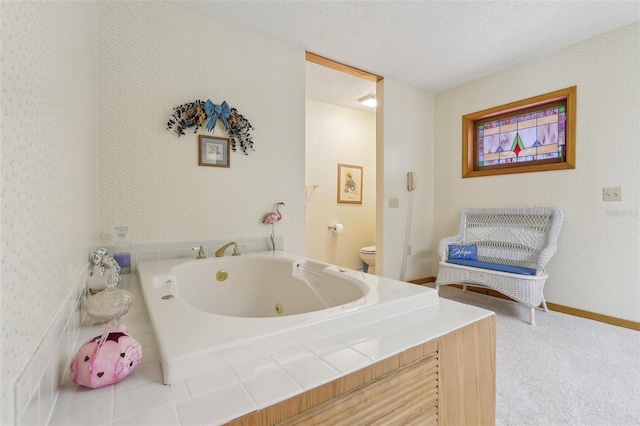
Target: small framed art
{"points": [[213, 151], [349, 184]]}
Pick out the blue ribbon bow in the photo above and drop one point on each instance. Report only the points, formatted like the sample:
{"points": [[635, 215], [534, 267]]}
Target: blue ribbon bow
{"points": [[214, 111]]}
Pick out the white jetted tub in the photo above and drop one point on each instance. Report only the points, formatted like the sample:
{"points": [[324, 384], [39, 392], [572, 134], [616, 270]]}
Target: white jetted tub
{"points": [[211, 313]]}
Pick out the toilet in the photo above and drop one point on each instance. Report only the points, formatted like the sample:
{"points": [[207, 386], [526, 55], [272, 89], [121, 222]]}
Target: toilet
{"points": [[368, 256]]}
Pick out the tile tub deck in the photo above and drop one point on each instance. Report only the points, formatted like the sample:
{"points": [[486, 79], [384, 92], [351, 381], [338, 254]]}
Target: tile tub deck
{"points": [[242, 388]]}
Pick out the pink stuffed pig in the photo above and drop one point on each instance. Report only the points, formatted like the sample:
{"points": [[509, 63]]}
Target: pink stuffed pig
{"points": [[105, 359]]}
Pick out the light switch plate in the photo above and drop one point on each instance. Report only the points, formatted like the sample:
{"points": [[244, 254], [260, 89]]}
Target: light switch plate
{"points": [[613, 193], [394, 202]]}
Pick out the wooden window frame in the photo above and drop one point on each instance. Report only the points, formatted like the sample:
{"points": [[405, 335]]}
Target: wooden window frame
{"points": [[470, 166]]}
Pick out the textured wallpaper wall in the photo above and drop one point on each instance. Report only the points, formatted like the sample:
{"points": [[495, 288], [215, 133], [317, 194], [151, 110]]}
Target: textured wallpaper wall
{"points": [[154, 56], [597, 264], [48, 171], [408, 146]]}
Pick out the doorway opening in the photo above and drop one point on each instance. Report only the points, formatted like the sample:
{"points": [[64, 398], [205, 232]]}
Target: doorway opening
{"points": [[339, 130]]}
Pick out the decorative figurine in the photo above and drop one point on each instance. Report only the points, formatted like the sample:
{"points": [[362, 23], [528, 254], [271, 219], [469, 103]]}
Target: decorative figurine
{"points": [[106, 359], [272, 218]]}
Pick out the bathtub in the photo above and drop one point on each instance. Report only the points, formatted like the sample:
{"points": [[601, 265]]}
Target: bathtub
{"points": [[212, 313]]}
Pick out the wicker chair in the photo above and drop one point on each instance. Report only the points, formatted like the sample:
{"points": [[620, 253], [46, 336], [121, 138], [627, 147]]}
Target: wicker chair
{"points": [[520, 240]]}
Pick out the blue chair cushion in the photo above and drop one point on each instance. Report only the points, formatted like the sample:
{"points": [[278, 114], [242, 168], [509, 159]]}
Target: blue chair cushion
{"points": [[463, 252], [493, 266]]}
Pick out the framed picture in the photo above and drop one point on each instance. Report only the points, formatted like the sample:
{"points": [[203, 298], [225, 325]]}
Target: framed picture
{"points": [[213, 151], [349, 184], [531, 135]]}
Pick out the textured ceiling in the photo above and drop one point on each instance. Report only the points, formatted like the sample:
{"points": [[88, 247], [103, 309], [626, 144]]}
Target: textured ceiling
{"points": [[434, 45], [335, 87]]}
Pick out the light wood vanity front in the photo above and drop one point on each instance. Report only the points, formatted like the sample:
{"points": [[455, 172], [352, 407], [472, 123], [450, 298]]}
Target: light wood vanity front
{"points": [[445, 381]]}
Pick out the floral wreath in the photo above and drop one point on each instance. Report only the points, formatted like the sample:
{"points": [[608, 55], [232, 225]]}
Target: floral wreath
{"points": [[194, 114]]}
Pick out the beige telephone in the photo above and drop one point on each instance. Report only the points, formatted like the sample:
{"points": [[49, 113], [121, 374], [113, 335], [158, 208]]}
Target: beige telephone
{"points": [[412, 181]]}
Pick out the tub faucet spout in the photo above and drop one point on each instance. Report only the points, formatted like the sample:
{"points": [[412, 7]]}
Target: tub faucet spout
{"points": [[236, 251]]}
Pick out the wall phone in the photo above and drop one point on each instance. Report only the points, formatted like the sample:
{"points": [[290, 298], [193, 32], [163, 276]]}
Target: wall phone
{"points": [[412, 181]]}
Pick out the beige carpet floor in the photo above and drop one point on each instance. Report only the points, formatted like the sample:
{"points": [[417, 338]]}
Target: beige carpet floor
{"points": [[564, 371]]}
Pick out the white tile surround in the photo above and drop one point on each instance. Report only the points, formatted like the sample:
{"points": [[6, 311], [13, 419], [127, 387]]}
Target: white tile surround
{"points": [[36, 388], [185, 249], [225, 394]]}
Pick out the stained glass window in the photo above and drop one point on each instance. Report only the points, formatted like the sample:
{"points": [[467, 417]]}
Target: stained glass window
{"points": [[539, 135], [523, 136]]}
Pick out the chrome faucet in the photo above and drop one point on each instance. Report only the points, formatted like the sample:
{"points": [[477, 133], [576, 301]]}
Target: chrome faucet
{"points": [[236, 250]]}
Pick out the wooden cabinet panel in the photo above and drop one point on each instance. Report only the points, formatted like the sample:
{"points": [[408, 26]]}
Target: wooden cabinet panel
{"points": [[408, 394], [468, 375], [446, 381]]}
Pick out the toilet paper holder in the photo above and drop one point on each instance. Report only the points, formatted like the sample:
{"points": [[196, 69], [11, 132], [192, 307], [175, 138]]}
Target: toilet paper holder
{"points": [[336, 228]]}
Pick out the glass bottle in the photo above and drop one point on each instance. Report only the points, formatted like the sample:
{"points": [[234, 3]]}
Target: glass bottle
{"points": [[122, 250]]}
